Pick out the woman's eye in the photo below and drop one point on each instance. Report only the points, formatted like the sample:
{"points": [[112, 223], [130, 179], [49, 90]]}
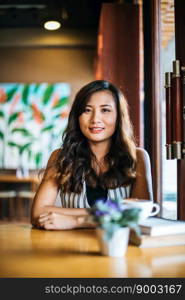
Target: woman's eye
{"points": [[87, 110], [105, 110]]}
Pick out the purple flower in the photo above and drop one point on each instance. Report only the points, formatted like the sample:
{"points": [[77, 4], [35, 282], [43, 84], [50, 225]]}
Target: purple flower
{"points": [[113, 205], [100, 213]]}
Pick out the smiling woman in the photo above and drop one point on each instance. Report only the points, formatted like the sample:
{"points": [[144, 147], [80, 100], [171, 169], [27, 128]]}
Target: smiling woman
{"points": [[98, 121], [98, 159]]}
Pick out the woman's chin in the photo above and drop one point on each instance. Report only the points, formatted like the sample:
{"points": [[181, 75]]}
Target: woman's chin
{"points": [[98, 140]]}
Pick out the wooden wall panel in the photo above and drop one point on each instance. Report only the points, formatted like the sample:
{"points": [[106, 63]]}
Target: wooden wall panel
{"points": [[180, 54], [152, 82], [118, 53]]}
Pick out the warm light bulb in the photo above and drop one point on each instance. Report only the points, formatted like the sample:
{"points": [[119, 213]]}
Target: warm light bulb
{"points": [[52, 25]]}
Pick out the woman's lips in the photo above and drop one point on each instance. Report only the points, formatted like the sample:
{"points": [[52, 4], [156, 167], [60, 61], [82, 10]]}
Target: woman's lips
{"points": [[96, 129]]}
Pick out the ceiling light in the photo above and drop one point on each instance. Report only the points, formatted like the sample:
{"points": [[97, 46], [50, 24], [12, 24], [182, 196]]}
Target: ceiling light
{"points": [[52, 25]]}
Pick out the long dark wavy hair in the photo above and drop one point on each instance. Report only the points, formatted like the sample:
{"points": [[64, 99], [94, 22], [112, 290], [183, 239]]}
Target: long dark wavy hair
{"points": [[73, 164]]}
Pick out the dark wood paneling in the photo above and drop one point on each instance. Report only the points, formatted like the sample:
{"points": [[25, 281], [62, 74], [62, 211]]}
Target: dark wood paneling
{"points": [[180, 54], [118, 53], [152, 87]]}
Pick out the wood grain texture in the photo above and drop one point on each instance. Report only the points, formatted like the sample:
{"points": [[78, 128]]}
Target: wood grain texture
{"points": [[27, 252]]}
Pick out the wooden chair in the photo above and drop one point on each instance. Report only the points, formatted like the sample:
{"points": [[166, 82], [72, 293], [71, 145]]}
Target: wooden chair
{"points": [[7, 199]]}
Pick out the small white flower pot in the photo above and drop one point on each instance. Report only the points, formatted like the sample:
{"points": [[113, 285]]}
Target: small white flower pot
{"points": [[117, 245]]}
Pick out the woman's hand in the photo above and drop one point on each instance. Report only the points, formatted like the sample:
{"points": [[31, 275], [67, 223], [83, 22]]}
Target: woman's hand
{"points": [[55, 221]]}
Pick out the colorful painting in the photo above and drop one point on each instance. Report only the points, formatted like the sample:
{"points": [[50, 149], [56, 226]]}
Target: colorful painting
{"points": [[32, 120]]}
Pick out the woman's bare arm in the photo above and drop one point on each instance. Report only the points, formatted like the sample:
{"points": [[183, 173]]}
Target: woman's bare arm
{"points": [[142, 187], [44, 202]]}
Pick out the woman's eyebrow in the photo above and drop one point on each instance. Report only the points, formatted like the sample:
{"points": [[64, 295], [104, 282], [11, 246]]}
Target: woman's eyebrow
{"points": [[100, 105], [106, 105]]}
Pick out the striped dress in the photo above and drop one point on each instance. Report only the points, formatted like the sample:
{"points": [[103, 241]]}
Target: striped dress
{"points": [[73, 200]]}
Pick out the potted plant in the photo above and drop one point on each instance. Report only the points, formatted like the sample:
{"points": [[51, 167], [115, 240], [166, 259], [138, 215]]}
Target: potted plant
{"points": [[114, 220]]}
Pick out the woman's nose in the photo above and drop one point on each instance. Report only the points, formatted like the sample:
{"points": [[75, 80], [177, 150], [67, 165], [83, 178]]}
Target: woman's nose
{"points": [[95, 117]]}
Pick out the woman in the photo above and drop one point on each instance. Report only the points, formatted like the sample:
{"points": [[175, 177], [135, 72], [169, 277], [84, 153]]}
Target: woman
{"points": [[98, 159]]}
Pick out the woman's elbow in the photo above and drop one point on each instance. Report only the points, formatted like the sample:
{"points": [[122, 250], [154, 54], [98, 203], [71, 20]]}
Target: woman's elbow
{"points": [[34, 216], [33, 220]]}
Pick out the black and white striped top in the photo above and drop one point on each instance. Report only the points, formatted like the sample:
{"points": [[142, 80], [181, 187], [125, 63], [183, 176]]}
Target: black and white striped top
{"points": [[73, 200]]}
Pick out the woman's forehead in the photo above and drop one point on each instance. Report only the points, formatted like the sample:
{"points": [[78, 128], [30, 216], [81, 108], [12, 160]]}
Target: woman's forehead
{"points": [[101, 98]]}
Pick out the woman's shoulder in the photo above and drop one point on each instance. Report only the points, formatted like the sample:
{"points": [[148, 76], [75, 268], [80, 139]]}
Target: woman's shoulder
{"points": [[142, 154], [141, 151], [54, 155]]}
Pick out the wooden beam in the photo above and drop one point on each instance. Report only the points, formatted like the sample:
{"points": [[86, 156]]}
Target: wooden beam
{"points": [[152, 104]]}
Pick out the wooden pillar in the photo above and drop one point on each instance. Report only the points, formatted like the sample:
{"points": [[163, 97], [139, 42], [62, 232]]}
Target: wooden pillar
{"points": [[152, 90], [180, 54], [118, 53]]}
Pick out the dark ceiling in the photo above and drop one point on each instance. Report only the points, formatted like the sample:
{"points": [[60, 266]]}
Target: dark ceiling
{"points": [[76, 14]]}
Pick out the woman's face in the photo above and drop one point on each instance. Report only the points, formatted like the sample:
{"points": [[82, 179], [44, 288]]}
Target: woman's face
{"points": [[98, 121]]}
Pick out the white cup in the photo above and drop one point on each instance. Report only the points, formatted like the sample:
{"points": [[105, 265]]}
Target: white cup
{"points": [[148, 208]]}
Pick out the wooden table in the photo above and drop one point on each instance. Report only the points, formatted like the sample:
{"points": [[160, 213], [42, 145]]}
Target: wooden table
{"points": [[27, 252]]}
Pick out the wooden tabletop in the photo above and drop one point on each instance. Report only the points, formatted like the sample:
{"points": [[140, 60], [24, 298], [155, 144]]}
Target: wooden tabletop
{"points": [[27, 252]]}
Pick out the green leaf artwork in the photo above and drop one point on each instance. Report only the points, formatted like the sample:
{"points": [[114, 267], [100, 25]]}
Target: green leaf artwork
{"points": [[47, 94], [24, 147], [2, 115], [32, 119], [10, 93], [47, 128], [36, 87], [38, 158], [25, 94], [61, 102], [1, 135], [23, 131], [12, 144], [13, 117]]}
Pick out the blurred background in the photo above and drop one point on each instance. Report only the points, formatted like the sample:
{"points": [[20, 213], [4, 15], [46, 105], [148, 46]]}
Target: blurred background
{"points": [[130, 43]]}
